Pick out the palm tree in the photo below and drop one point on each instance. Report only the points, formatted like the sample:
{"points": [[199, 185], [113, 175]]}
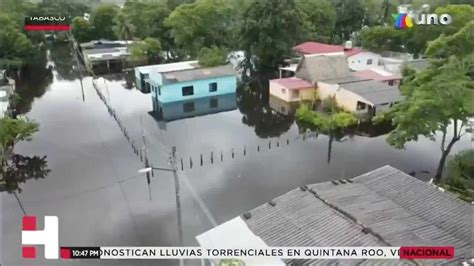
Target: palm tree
{"points": [[124, 29]]}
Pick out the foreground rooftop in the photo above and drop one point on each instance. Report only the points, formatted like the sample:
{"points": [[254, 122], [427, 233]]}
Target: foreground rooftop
{"points": [[384, 207]]}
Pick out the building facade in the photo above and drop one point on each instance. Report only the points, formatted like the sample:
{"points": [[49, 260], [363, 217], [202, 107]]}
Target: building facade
{"points": [[192, 83]]}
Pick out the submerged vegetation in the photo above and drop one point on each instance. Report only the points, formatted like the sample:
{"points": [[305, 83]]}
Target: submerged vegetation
{"points": [[327, 117], [460, 175]]}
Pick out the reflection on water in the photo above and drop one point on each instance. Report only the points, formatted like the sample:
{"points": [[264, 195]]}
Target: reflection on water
{"points": [[32, 82], [190, 108], [253, 103], [64, 63], [19, 168]]}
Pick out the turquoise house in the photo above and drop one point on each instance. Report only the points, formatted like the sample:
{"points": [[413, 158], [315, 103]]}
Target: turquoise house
{"points": [[184, 81], [167, 112]]}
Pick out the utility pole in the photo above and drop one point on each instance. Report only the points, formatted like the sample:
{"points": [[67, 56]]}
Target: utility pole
{"points": [[174, 169]]}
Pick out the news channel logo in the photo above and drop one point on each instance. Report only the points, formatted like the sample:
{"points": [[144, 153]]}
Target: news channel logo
{"points": [[47, 23], [405, 21], [48, 237]]}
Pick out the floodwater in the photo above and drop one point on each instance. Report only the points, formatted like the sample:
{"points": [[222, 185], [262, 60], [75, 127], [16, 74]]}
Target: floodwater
{"points": [[95, 139]]}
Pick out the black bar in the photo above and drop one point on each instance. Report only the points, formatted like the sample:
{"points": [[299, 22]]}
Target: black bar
{"points": [[80, 252]]}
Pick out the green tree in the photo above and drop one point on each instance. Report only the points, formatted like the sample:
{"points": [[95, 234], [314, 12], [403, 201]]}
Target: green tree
{"points": [[103, 21], [436, 99], [123, 28], [15, 47], [13, 131], [269, 30], [460, 43], [319, 18], [418, 37], [147, 18], [323, 122], [382, 38], [350, 16], [460, 175], [149, 49], [82, 29], [61, 8], [214, 56], [203, 24]]}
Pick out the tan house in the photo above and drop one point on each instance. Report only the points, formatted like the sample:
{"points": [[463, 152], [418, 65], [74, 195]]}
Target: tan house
{"points": [[328, 75], [358, 95], [292, 89]]}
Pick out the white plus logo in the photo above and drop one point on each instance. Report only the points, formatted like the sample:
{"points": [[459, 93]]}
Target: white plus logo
{"points": [[48, 237]]}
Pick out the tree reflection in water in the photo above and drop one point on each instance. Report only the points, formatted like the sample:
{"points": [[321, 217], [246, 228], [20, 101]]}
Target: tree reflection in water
{"points": [[65, 65], [19, 168], [365, 129], [252, 101], [32, 82]]}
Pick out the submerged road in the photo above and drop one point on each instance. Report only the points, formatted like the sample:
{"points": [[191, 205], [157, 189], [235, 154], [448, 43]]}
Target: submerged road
{"points": [[94, 187]]}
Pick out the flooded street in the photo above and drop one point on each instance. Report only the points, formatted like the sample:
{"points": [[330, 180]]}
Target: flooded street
{"points": [[250, 154]]}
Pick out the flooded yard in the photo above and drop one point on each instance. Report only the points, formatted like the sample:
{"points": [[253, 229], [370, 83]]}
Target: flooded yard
{"points": [[250, 154]]}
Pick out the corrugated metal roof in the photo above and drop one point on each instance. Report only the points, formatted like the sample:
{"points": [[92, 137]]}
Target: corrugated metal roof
{"points": [[375, 92], [399, 209]]}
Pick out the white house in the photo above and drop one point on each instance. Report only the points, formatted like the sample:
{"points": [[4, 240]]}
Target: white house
{"points": [[357, 58]]}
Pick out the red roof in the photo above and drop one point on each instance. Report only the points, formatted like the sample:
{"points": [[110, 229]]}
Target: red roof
{"points": [[353, 51], [322, 48], [371, 74], [317, 48], [293, 83]]}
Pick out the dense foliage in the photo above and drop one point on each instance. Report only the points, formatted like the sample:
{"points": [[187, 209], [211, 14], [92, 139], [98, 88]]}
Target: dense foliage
{"points": [[439, 98], [325, 122], [149, 49], [460, 175], [214, 56]]}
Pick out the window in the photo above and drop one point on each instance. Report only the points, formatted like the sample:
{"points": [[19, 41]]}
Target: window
{"points": [[295, 94], [369, 61], [282, 109], [188, 107], [390, 82], [188, 90], [361, 106], [213, 103], [283, 91], [213, 87]]}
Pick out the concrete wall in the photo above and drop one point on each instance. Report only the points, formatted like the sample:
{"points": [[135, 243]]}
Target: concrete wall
{"points": [[279, 91], [344, 98], [287, 95], [358, 62], [173, 92]]}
